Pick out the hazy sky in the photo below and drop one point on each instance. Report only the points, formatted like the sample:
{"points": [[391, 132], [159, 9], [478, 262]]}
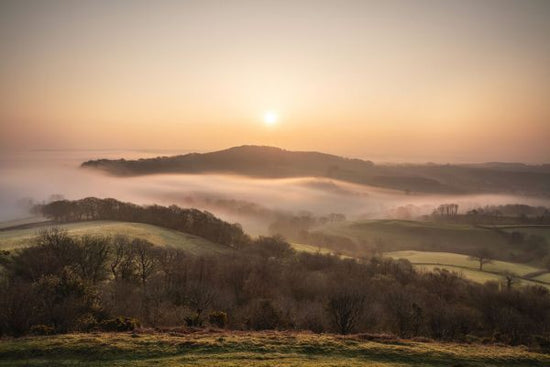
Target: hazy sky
{"points": [[409, 80]]}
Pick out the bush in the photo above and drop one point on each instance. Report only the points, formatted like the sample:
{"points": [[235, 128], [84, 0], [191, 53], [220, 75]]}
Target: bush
{"points": [[264, 316], [193, 320], [42, 329], [218, 319], [86, 322], [119, 324]]}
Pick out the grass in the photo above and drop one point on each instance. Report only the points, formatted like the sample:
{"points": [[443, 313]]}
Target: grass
{"points": [[473, 275], [461, 264], [311, 249], [543, 278], [447, 258], [543, 231], [10, 239], [253, 349], [21, 221], [400, 235]]}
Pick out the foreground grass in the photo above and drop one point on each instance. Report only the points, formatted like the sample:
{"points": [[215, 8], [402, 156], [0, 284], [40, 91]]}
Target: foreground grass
{"points": [[15, 238], [252, 349]]}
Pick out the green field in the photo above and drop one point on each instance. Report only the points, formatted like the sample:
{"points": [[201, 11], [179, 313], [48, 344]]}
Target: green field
{"points": [[543, 231], [446, 258], [254, 349], [461, 264], [399, 235], [21, 221], [310, 248], [10, 239], [543, 277]]}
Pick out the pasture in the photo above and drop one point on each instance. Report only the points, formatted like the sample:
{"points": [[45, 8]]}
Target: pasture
{"points": [[15, 238], [494, 271], [400, 235]]}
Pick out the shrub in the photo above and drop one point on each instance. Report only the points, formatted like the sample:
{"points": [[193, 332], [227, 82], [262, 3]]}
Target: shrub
{"points": [[42, 329], [264, 316], [86, 322], [193, 320], [218, 318], [119, 324]]}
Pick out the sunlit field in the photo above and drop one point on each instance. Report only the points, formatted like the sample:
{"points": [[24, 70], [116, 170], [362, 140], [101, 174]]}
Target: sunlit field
{"points": [[15, 238]]}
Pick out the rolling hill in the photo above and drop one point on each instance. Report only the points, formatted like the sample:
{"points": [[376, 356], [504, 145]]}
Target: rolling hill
{"points": [[399, 235], [14, 238], [494, 271], [271, 162]]}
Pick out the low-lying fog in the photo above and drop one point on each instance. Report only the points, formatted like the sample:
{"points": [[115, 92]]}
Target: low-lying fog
{"points": [[252, 202]]}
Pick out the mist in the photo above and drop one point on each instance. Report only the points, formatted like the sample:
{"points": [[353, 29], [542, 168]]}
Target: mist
{"points": [[30, 177]]}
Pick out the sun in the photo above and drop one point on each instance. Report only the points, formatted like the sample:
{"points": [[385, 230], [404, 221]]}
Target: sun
{"points": [[270, 118]]}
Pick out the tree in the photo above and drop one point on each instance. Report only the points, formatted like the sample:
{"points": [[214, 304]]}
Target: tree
{"points": [[122, 262], [510, 278], [446, 210], [345, 306], [92, 257], [483, 256], [146, 261]]}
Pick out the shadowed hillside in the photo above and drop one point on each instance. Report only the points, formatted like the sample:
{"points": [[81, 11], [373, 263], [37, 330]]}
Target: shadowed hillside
{"points": [[270, 162]]}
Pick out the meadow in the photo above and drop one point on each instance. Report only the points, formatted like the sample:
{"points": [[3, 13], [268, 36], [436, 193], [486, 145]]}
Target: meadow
{"points": [[265, 348], [462, 264], [388, 235], [14, 238], [389, 232], [399, 235]]}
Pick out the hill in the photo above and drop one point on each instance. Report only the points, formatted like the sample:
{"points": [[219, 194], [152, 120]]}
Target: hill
{"points": [[270, 162], [223, 348], [15, 238]]}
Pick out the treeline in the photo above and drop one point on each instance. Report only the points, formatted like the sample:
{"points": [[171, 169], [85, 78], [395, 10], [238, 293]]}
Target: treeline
{"points": [[298, 226], [493, 214], [63, 284], [193, 221]]}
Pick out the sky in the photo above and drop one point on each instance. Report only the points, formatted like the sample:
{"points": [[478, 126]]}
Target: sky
{"points": [[440, 81]]}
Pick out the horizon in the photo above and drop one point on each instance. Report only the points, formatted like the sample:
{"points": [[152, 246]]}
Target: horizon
{"points": [[393, 81], [157, 152]]}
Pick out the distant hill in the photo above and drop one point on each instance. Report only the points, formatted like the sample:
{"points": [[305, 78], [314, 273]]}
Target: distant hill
{"points": [[271, 162]]}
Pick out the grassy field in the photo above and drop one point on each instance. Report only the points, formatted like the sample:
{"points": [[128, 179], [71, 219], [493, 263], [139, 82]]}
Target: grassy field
{"points": [[399, 235], [310, 248], [10, 239], [543, 277], [254, 349], [21, 221], [458, 260], [473, 275], [461, 264], [543, 231]]}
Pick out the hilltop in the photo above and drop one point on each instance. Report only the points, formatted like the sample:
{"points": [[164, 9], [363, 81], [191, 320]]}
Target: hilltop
{"points": [[272, 162]]}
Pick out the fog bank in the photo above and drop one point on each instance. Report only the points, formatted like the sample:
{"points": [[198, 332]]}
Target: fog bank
{"points": [[252, 202]]}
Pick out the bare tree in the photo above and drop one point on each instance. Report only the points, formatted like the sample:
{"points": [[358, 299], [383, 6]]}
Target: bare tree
{"points": [[510, 278], [345, 307], [145, 259], [122, 263], [483, 256]]}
